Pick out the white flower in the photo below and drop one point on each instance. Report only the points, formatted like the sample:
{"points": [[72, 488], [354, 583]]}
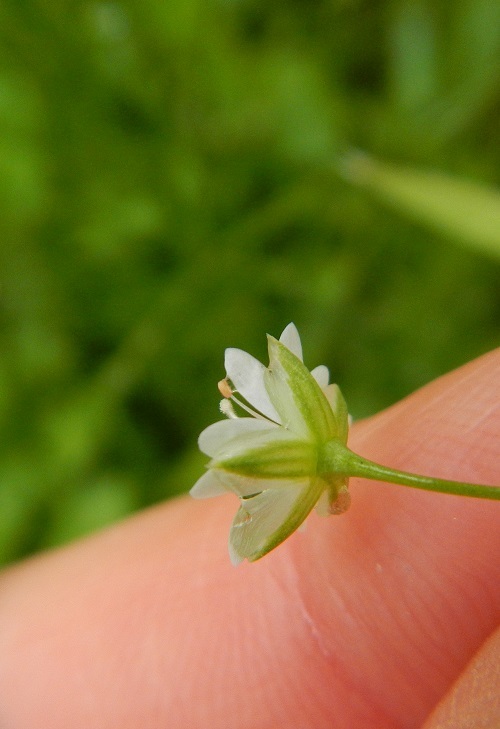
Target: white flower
{"points": [[273, 458], [289, 453]]}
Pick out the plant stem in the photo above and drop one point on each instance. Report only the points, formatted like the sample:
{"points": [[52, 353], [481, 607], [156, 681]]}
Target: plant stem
{"points": [[339, 460]]}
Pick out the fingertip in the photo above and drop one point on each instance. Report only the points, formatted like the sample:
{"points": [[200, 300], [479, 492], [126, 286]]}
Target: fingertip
{"points": [[474, 698]]}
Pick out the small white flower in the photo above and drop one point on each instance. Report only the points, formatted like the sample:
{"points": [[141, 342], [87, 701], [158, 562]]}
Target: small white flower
{"points": [[288, 454], [272, 458]]}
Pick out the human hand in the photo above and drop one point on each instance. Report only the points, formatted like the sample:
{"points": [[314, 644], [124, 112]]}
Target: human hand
{"points": [[363, 620]]}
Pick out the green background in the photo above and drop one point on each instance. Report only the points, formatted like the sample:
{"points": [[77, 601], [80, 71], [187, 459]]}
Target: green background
{"points": [[178, 176]]}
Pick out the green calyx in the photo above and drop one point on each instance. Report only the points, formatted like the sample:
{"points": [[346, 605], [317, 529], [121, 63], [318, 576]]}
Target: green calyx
{"points": [[300, 402], [278, 458]]}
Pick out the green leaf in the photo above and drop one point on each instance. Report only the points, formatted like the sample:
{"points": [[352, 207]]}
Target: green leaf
{"points": [[464, 210]]}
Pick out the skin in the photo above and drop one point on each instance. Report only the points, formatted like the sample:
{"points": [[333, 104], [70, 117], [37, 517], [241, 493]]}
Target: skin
{"points": [[370, 619]]}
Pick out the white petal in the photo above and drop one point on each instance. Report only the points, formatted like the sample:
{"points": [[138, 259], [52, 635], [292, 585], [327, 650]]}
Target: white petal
{"points": [[212, 439], [243, 485], [279, 444], [291, 339], [323, 504], [208, 485], [339, 407], [321, 375], [247, 375]]}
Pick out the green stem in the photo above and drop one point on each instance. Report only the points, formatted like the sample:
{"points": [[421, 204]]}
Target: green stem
{"points": [[339, 460]]}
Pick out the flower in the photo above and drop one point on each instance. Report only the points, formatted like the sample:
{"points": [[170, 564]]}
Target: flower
{"points": [[273, 458], [289, 453]]}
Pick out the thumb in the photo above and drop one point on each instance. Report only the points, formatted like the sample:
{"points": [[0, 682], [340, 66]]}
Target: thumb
{"points": [[364, 619], [474, 700]]}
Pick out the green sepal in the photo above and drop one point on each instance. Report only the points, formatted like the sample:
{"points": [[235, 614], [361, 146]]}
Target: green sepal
{"points": [[267, 519], [280, 456], [297, 397]]}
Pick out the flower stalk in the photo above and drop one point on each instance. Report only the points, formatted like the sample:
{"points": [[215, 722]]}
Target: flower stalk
{"points": [[338, 459]]}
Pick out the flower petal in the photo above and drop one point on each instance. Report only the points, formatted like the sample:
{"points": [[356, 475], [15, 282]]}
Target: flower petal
{"points": [[291, 339], [212, 439], [245, 486], [267, 519], [339, 408], [247, 375], [323, 504], [207, 486], [321, 375]]}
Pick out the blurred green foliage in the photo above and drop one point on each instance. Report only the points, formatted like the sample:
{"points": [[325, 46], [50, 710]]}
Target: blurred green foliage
{"points": [[178, 176]]}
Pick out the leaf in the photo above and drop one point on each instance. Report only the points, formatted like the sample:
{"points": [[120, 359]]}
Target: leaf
{"points": [[462, 209]]}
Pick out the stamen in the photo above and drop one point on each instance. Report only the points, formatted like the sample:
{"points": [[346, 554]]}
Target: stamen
{"points": [[253, 413], [225, 388], [226, 407]]}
